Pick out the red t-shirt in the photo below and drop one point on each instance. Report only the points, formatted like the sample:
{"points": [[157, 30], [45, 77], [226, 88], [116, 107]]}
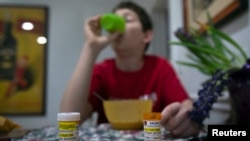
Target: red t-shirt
{"points": [[156, 76]]}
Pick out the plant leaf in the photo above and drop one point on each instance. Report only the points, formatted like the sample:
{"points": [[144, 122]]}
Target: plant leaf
{"points": [[203, 69], [203, 50], [230, 40]]}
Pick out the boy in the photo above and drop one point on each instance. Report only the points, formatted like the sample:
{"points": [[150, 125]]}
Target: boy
{"points": [[130, 74]]}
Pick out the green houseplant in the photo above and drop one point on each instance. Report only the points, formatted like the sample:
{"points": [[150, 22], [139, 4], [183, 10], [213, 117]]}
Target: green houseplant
{"points": [[216, 54], [211, 50]]}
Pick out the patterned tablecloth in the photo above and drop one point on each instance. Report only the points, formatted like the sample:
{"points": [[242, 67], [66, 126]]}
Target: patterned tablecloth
{"points": [[103, 132]]}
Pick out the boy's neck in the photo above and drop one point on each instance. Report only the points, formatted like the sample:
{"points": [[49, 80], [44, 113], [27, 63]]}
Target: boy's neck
{"points": [[130, 64]]}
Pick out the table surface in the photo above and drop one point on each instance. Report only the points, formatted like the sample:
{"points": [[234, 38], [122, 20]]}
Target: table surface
{"points": [[103, 132]]}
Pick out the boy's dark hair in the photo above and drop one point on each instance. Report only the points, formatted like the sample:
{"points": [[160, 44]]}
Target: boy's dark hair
{"points": [[142, 14]]}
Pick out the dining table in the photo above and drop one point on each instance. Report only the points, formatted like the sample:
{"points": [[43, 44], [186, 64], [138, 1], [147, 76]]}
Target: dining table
{"points": [[102, 132]]}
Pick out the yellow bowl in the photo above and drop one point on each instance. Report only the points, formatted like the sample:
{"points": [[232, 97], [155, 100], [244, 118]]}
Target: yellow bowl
{"points": [[127, 114]]}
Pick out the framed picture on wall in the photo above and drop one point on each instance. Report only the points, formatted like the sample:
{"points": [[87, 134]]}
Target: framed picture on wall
{"points": [[221, 11], [23, 54]]}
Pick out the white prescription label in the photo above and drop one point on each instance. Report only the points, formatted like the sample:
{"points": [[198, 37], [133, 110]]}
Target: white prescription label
{"points": [[152, 130]]}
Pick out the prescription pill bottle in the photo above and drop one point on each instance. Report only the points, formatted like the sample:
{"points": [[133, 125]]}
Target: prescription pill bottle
{"points": [[68, 124], [152, 126]]}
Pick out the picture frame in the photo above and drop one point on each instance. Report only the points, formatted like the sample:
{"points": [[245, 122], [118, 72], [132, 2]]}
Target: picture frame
{"points": [[221, 12], [23, 59]]}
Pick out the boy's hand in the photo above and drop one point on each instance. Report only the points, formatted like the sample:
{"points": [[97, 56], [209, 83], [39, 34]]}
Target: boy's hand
{"points": [[176, 120], [94, 38]]}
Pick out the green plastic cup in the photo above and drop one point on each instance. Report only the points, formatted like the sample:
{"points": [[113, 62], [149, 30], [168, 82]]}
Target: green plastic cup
{"points": [[112, 23]]}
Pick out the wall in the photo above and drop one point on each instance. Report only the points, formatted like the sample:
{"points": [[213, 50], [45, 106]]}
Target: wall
{"points": [[65, 39], [238, 29]]}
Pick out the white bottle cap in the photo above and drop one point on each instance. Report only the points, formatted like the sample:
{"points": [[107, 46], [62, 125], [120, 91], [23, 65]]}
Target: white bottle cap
{"points": [[68, 116]]}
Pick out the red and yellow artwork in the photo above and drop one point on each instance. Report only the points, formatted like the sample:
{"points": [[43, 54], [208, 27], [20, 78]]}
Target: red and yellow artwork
{"points": [[23, 43]]}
